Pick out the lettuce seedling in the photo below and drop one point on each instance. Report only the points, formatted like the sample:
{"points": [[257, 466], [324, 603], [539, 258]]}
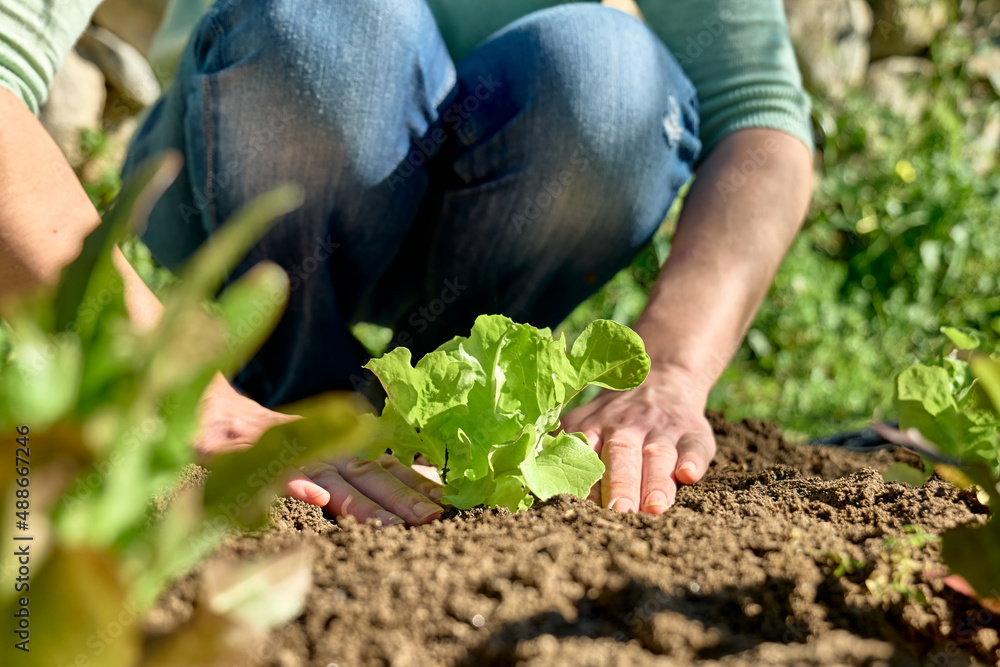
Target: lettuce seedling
{"points": [[950, 404], [949, 412], [483, 408]]}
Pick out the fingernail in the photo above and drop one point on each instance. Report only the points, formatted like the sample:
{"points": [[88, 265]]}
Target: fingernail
{"points": [[318, 497], [436, 494], [688, 466], [388, 518], [424, 510], [655, 500], [622, 505]]}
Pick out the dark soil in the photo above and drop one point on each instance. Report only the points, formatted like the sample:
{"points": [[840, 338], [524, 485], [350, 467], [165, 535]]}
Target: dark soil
{"points": [[742, 571]]}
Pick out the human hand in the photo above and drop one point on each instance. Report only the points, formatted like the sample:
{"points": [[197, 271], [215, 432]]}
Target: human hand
{"points": [[228, 421], [650, 439], [385, 490]]}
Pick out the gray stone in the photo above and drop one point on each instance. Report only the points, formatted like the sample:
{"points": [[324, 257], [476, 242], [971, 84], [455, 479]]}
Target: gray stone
{"points": [[901, 83], [831, 42], [980, 20], [986, 65], [76, 101], [985, 146], [135, 21], [906, 27], [123, 66]]}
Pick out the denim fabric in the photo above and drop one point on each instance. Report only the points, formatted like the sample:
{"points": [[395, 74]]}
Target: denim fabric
{"points": [[517, 181]]}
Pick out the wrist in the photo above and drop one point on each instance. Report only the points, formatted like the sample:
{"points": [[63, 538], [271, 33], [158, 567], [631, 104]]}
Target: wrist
{"points": [[686, 361], [693, 385]]}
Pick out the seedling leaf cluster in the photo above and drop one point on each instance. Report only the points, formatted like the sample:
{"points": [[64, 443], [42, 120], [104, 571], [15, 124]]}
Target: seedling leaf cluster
{"points": [[484, 408], [950, 413]]}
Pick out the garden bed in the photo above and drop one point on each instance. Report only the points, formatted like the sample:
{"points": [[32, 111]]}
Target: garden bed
{"points": [[770, 560]]}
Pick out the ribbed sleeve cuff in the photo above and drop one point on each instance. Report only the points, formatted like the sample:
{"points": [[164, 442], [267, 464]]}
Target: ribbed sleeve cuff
{"points": [[785, 110], [16, 86]]}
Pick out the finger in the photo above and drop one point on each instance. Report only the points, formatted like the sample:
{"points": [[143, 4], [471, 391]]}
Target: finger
{"points": [[593, 437], [377, 483], [345, 500], [621, 452], [411, 477], [694, 452], [430, 472], [594, 440], [302, 488], [659, 458]]}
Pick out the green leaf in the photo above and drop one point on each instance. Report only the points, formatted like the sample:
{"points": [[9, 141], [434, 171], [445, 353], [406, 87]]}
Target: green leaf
{"points": [[75, 597], [216, 258], [533, 367], [470, 458], [510, 492], [170, 546], [959, 374], [206, 640], [41, 382], [610, 356], [484, 404], [439, 382], [944, 430], [974, 553], [92, 273], [987, 371], [925, 402], [964, 338], [927, 385], [508, 456], [185, 320], [565, 464], [263, 594], [465, 494], [249, 310], [906, 474], [395, 434]]}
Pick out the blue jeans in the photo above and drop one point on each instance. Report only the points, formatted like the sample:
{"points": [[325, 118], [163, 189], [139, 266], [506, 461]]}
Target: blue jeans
{"points": [[517, 181]]}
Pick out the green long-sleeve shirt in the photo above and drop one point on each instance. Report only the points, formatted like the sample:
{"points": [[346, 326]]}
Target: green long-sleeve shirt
{"points": [[736, 52]]}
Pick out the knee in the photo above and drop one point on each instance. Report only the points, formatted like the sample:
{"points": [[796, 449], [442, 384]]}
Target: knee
{"points": [[603, 83], [362, 75], [303, 35], [308, 36]]}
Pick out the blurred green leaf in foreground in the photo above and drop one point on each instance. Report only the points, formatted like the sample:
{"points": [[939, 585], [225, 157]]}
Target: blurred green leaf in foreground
{"points": [[107, 415]]}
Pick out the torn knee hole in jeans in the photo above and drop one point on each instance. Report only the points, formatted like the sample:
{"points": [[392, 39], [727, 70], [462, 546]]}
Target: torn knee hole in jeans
{"points": [[672, 121]]}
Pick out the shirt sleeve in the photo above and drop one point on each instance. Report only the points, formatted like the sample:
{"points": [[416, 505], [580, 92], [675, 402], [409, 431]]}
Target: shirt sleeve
{"points": [[35, 36], [740, 59]]}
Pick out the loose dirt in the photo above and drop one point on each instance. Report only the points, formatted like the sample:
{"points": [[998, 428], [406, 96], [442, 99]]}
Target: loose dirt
{"points": [[770, 560]]}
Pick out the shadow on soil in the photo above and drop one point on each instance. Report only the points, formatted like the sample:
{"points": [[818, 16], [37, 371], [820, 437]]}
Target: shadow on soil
{"points": [[691, 625]]}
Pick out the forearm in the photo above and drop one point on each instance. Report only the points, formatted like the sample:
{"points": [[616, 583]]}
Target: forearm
{"points": [[45, 214], [729, 243]]}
